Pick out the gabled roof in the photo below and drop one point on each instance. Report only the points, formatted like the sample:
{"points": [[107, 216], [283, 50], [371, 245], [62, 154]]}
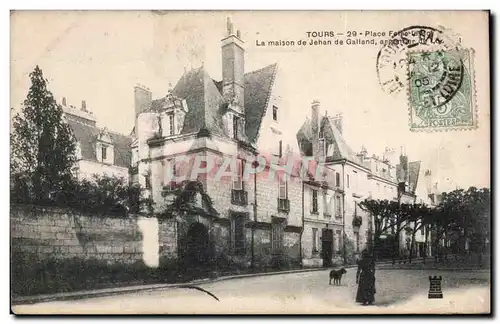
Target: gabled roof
{"points": [[206, 104], [86, 136], [341, 150]]}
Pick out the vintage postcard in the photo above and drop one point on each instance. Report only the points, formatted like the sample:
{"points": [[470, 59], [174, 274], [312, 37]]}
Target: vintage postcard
{"points": [[250, 162]]}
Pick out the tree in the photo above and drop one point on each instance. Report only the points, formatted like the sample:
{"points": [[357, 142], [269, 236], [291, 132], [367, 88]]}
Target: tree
{"points": [[386, 214], [420, 216], [42, 144]]}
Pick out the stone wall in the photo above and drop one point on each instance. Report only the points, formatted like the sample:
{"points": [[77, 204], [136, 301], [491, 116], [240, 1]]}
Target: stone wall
{"points": [[63, 234]]}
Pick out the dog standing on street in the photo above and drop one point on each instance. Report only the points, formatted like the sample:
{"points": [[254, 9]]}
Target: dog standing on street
{"points": [[336, 275]]}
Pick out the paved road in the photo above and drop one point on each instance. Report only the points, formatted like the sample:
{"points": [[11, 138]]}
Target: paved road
{"points": [[398, 291]]}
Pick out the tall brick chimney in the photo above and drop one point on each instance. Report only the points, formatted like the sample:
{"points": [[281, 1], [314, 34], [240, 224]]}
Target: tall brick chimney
{"points": [[233, 68], [315, 127]]}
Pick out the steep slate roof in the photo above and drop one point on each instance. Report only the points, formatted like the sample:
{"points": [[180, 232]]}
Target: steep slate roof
{"points": [[341, 150], [86, 135], [206, 104]]}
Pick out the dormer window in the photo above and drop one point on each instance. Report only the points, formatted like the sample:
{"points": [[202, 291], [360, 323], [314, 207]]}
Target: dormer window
{"points": [[104, 149], [275, 113]]}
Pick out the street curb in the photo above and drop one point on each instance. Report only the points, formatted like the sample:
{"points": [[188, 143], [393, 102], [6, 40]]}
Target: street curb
{"points": [[131, 289]]}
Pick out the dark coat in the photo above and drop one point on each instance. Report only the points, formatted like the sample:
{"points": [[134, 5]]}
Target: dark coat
{"points": [[365, 277]]}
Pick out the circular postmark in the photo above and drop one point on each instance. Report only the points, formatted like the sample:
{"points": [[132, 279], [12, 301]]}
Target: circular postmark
{"points": [[392, 68], [435, 78]]}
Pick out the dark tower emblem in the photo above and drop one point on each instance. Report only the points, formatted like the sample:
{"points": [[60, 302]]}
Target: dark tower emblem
{"points": [[435, 287]]}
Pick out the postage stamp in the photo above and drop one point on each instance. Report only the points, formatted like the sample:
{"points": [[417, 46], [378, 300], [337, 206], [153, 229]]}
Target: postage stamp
{"points": [[392, 57], [441, 90]]}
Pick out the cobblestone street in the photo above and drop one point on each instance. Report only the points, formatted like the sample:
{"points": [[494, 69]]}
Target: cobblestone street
{"points": [[398, 291]]}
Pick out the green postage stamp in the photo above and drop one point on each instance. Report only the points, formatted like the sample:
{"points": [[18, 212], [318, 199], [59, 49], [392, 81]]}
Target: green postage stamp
{"points": [[441, 90]]}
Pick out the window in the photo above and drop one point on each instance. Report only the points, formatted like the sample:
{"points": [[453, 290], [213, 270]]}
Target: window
{"points": [[171, 124], [337, 179], [315, 240], [321, 134], [275, 113], [356, 235], [354, 179], [314, 201], [348, 181], [338, 207], [239, 234], [283, 192], [235, 127], [338, 241], [238, 180], [422, 230], [104, 151], [326, 205], [276, 235], [147, 180]]}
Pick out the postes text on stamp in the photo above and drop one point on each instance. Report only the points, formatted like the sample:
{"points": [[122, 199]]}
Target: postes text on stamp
{"points": [[441, 90]]}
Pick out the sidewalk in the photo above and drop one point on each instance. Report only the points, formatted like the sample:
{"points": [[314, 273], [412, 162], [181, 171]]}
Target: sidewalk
{"points": [[137, 288], [383, 265]]}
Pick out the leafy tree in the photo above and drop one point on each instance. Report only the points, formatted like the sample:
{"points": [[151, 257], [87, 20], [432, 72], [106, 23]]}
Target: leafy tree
{"points": [[387, 215], [465, 213], [104, 195], [420, 216], [42, 145]]}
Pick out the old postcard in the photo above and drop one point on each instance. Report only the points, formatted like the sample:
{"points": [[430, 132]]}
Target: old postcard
{"points": [[250, 162]]}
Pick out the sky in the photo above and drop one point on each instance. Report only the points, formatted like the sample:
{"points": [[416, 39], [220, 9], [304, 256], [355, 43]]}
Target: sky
{"points": [[99, 57]]}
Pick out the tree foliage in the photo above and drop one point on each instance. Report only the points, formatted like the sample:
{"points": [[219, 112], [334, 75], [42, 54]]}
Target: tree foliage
{"points": [[43, 160], [42, 144], [465, 212]]}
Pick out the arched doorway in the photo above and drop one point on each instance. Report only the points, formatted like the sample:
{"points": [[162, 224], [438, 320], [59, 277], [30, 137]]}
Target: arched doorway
{"points": [[197, 251]]}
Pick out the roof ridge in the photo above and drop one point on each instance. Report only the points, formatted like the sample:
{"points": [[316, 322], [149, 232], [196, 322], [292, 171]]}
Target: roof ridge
{"points": [[98, 127], [251, 72], [263, 68]]}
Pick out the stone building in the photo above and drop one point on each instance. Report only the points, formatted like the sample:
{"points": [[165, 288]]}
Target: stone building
{"points": [[201, 124], [352, 178], [99, 150]]}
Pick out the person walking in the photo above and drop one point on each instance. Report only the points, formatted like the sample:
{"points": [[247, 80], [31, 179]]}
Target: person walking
{"points": [[365, 278]]}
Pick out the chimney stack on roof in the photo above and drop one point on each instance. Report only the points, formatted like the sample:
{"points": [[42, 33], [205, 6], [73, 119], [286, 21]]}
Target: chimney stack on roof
{"points": [[84, 105], [64, 101], [233, 69]]}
